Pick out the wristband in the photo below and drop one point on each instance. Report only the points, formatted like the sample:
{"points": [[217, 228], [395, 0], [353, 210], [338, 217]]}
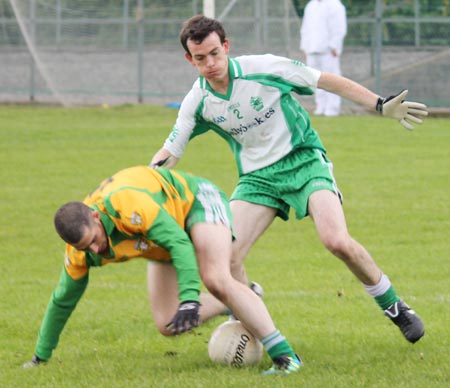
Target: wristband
{"points": [[379, 106]]}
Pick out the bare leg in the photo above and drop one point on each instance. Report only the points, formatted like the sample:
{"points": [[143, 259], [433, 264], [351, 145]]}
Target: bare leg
{"points": [[328, 215], [210, 307], [213, 248], [162, 290], [249, 222]]}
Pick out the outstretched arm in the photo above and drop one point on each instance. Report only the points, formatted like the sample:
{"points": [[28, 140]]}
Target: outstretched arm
{"points": [[62, 303], [348, 89], [394, 106]]}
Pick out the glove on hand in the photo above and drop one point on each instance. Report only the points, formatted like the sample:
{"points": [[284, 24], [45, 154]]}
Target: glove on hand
{"points": [[35, 361], [186, 318], [397, 108]]}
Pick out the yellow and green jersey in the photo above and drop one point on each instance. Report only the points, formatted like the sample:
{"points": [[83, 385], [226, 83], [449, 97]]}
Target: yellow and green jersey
{"points": [[144, 213]]}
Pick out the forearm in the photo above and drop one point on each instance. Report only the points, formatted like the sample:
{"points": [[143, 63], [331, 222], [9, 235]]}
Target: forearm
{"points": [[393, 106], [62, 303], [55, 319], [348, 89]]}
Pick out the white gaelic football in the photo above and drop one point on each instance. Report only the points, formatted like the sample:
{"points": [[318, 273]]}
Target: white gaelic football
{"points": [[232, 344]]}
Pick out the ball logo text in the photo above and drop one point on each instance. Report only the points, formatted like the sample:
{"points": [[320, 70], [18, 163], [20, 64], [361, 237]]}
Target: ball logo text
{"points": [[238, 358]]}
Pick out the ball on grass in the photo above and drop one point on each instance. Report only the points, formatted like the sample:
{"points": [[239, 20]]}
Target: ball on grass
{"points": [[232, 344]]}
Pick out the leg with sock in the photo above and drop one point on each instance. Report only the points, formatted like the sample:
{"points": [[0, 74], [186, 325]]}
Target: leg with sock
{"points": [[285, 361], [398, 311]]}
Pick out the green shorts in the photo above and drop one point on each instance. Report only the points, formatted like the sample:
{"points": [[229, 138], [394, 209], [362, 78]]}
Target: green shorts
{"points": [[288, 182], [210, 206]]}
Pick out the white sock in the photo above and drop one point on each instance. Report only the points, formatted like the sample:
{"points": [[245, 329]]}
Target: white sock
{"points": [[379, 289]]}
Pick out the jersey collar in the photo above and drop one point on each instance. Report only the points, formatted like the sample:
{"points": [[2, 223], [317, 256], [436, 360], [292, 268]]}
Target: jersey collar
{"points": [[108, 224], [234, 68], [234, 71]]}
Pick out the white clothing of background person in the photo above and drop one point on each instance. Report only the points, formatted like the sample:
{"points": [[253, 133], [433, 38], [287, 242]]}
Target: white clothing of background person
{"points": [[322, 36]]}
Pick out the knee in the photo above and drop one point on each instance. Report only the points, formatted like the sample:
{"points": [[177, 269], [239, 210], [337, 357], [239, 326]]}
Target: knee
{"points": [[238, 253], [237, 268], [237, 261], [216, 285], [161, 326], [161, 318], [338, 244], [165, 332]]}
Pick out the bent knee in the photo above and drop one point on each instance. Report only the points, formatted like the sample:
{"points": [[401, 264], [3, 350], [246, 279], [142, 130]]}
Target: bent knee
{"points": [[161, 326], [338, 245], [217, 286], [165, 332], [161, 320]]}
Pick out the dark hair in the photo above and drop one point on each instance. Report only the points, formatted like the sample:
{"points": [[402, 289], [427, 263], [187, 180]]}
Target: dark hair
{"points": [[197, 28], [71, 220]]}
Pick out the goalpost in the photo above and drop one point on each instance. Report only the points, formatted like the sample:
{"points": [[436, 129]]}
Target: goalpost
{"points": [[209, 8]]}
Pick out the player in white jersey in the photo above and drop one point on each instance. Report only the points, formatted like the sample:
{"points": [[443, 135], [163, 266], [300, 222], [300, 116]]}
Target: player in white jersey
{"points": [[248, 114], [281, 161]]}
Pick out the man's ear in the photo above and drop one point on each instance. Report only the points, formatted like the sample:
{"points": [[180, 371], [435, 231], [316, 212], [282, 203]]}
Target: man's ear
{"points": [[226, 46], [96, 215], [189, 58]]}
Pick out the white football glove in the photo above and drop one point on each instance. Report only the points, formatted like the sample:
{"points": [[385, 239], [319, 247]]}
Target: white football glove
{"points": [[399, 109]]}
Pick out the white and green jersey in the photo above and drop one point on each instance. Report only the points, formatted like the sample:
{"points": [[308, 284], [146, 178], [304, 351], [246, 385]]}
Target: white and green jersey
{"points": [[258, 117]]}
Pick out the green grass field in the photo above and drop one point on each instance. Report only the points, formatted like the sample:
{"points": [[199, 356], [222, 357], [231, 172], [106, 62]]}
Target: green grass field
{"points": [[396, 186]]}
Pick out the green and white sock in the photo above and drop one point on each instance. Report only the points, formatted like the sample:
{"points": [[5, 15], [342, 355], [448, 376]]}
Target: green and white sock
{"points": [[383, 292], [276, 345]]}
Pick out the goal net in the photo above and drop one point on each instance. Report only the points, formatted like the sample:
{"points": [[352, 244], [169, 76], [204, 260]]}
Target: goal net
{"points": [[84, 52], [73, 52]]}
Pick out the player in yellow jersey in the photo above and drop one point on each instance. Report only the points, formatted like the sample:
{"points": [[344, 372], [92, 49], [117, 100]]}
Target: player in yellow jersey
{"points": [[182, 224]]}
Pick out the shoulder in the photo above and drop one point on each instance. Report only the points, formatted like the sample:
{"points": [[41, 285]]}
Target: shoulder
{"points": [[310, 5], [195, 95], [131, 209], [75, 262], [336, 5], [256, 58], [260, 63]]}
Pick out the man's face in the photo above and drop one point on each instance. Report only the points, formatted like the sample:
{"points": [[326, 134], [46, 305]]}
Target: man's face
{"points": [[94, 238], [210, 57]]}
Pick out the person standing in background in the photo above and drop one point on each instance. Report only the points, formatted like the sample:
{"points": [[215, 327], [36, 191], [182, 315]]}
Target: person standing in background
{"points": [[322, 36]]}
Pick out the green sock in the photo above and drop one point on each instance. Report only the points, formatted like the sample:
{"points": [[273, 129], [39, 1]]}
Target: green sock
{"points": [[387, 299], [276, 345]]}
